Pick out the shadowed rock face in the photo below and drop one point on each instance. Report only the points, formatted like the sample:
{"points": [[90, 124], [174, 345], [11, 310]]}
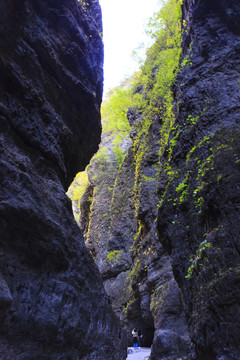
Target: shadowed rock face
{"points": [[52, 302], [207, 156], [51, 65]]}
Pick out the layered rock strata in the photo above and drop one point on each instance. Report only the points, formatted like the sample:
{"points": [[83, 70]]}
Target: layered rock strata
{"points": [[52, 302]]}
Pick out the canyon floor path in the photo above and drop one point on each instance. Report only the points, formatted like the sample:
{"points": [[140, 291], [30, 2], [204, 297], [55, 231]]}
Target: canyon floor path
{"points": [[139, 354]]}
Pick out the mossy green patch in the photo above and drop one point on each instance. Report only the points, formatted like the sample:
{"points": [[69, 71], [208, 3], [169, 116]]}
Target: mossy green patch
{"points": [[194, 259], [114, 256]]}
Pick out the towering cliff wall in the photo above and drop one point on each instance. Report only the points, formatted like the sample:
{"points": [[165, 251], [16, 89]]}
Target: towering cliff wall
{"points": [[199, 213], [52, 302]]}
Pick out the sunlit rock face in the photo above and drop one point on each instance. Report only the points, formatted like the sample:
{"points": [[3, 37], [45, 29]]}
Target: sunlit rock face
{"points": [[206, 154], [52, 302]]}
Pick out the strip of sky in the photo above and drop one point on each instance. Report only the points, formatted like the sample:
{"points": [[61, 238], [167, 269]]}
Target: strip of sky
{"points": [[124, 22]]}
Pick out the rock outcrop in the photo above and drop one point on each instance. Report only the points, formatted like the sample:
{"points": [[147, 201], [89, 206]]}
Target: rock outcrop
{"points": [[199, 214], [52, 302]]}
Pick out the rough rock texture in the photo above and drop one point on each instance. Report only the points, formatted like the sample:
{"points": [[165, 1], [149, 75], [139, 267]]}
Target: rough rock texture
{"points": [[50, 56], [107, 220], [52, 302], [155, 292], [202, 202], [102, 173], [123, 240], [182, 210]]}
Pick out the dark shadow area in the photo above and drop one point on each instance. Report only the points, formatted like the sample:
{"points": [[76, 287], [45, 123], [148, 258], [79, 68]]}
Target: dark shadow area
{"points": [[147, 339]]}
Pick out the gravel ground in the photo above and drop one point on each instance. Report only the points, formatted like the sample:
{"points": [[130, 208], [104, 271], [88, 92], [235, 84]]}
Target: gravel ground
{"points": [[139, 354]]}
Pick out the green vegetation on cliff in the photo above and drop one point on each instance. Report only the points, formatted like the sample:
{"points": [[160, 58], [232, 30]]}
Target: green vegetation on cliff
{"points": [[114, 118], [153, 95], [159, 71], [149, 96], [76, 191], [115, 128], [175, 191], [149, 92], [114, 111]]}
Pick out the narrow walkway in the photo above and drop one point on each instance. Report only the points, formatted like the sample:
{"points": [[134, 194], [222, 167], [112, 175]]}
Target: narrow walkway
{"points": [[139, 354]]}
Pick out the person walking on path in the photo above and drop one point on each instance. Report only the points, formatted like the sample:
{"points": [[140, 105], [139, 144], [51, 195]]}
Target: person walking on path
{"points": [[135, 338]]}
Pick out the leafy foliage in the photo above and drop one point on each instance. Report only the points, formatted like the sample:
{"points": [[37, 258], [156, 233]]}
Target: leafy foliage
{"points": [[159, 71], [114, 111], [114, 256], [196, 258], [153, 101], [76, 191], [80, 183], [114, 117], [153, 88]]}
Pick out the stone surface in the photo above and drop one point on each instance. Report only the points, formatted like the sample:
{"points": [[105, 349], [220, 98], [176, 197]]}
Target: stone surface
{"points": [[139, 354], [175, 221], [121, 221], [5, 295], [169, 345], [206, 154], [51, 62], [52, 301]]}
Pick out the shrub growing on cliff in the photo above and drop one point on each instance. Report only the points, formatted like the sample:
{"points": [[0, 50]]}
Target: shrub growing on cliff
{"points": [[114, 111], [76, 191], [114, 118], [157, 76], [160, 68], [114, 256], [153, 97], [197, 257]]}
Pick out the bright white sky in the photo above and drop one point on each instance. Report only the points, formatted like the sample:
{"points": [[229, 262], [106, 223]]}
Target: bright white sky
{"points": [[123, 31]]}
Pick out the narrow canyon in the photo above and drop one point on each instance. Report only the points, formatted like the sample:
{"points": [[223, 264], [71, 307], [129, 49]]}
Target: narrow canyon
{"points": [[151, 238]]}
